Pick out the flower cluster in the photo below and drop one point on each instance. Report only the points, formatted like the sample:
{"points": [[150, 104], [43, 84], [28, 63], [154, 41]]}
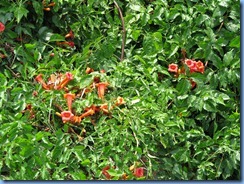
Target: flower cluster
{"points": [[138, 172], [46, 7], [55, 82], [194, 66], [69, 40], [59, 82]]}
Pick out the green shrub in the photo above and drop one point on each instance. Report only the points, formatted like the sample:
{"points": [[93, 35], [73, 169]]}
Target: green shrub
{"points": [[167, 127]]}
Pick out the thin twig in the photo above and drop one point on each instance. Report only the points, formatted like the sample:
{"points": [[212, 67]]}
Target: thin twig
{"points": [[123, 31], [16, 75], [58, 107], [221, 25]]}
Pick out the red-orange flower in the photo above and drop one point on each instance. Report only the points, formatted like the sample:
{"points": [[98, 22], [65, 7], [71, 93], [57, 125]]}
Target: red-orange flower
{"points": [[2, 27], [71, 44], [46, 9], [89, 70], [191, 64], [173, 68], [101, 89], [119, 101], [139, 172], [105, 172], [2, 56], [67, 116], [66, 43], [51, 4], [70, 35], [64, 82], [69, 98], [200, 66], [102, 71], [104, 108], [35, 93], [193, 83], [40, 80], [89, 112], [96, 79], [30, 110], [93, 107]]}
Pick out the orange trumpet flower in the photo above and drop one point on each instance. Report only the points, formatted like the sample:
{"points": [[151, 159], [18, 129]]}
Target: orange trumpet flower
{"points": [[69, 98], [200, 66], [51, 4], [70, 35], [46, 9], [104, 108], [105, 173], [64, 82], [40, 80], [67, 116], [89, 112], [101, 89], [119, 101], [89, 70]]}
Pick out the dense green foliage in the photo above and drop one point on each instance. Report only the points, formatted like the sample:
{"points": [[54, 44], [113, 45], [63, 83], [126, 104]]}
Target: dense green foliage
{"points": [[172, 131]]}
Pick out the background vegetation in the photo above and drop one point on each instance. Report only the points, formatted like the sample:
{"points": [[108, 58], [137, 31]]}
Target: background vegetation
{"points": [[172, 131]]}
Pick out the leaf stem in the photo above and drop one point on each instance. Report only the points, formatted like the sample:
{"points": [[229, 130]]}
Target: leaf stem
{"points": [[123, 31]]}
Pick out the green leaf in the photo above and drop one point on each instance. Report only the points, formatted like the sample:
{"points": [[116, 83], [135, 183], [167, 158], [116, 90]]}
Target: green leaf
{"points": [[39, 136], [19, 12], [176, 47], [183, 86], [56, 38], [228, 57], [115, 173], [171, 124], [3, 80], [44, 172], [210, 106], [85, 81], [135, 34], [38, 7], [27, 151], [79, 175], [235, 42], [85, 162], [215, 59], [137, 8]]}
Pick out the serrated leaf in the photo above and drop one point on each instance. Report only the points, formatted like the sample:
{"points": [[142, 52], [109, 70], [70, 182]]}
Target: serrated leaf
{"points": [[19, 12]]}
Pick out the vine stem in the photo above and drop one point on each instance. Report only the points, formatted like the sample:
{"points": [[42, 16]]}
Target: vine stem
{"points": [[123, 31]]}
